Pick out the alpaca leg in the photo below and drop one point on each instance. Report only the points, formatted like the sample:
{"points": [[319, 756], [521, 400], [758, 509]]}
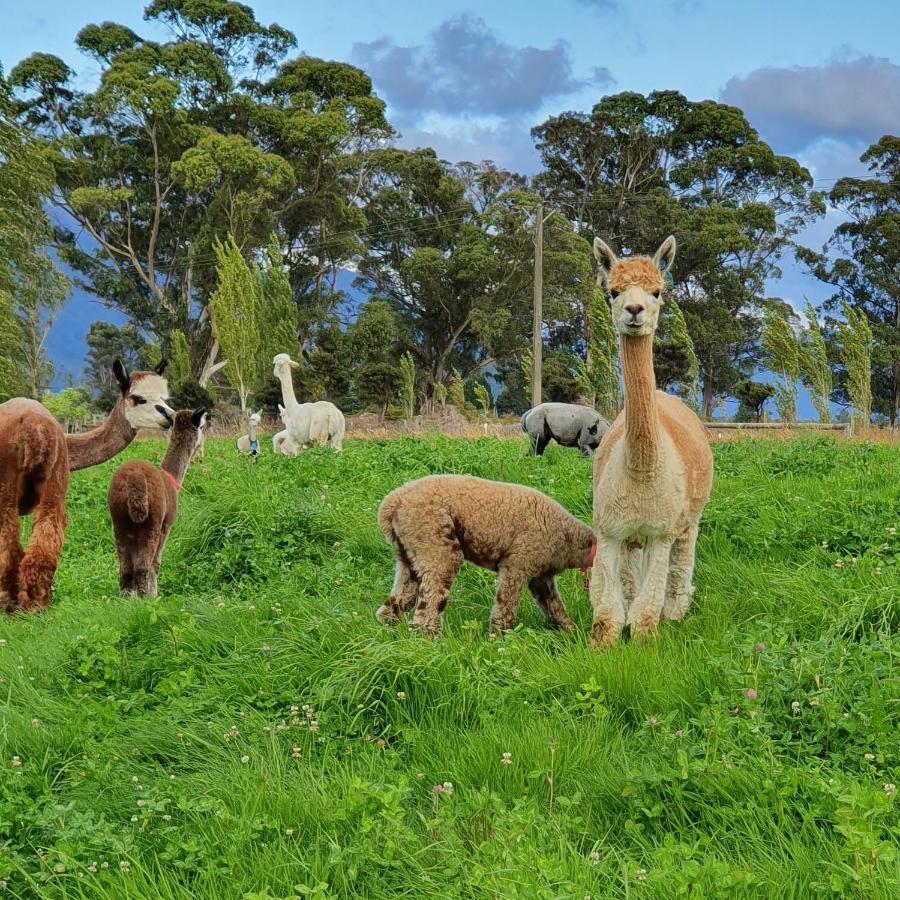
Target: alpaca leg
{"points": [[157, 561], [142, 560], [403, 594], [510, 583], [632, 559], [607, 599], [680, 590], [546, 596], [436, 577], [10, 554], [644, 613], [38, 565]]}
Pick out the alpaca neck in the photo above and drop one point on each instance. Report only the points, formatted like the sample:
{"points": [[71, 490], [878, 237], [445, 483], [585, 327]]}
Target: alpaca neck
{"points": [[287, 390], [177, 459], [102, 443], [641, 417], [251, 431]]}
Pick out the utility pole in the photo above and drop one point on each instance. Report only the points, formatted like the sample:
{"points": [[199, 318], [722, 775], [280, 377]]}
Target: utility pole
{"points": [[537, 344]]}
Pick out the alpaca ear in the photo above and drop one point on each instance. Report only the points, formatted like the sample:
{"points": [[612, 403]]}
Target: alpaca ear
{"points": [[198, 417], [606, 259], [121, 375], [665, 256], [161, 367]]}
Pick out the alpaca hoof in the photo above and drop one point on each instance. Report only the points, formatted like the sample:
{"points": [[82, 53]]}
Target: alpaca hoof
{"points": [[386, 614], [604, 633], [428, 629], [644, 632]]}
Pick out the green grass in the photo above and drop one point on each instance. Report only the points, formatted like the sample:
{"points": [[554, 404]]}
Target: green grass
{"points": [[155, 738]]}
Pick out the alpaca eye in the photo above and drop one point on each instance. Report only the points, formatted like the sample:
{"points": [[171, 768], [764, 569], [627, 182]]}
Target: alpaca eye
{"points": [[614, 294], [138, 400], [656, 294]]}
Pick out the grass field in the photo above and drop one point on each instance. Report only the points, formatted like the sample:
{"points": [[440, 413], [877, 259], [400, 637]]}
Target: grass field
{"points": [[253, 733]]}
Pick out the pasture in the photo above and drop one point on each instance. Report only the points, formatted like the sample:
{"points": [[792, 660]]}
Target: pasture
{"points": [[254, 733]]}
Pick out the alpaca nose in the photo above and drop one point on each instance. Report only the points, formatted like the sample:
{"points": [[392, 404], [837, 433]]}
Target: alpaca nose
{"points": [[633, 310]]}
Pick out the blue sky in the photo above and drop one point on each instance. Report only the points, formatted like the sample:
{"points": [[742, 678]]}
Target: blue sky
{"points": [[818, 80]]}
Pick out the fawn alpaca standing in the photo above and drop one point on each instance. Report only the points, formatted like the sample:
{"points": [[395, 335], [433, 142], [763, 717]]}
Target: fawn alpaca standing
{"points": [[143, 501], [652, 473], [35, 460]]}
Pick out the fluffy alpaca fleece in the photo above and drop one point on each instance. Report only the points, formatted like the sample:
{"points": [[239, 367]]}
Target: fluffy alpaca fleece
{"points": [[308, 424], [436, 522], [143, 502], [35, 461], [652, 472], [249, 442]]}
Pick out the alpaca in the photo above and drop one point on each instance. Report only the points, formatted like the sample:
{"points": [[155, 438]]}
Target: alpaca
{"points": [[281, 442], [569, 424], [143, 502], [652, 472], [35, 461], [249, 442], [308, 424], [438, 521]]}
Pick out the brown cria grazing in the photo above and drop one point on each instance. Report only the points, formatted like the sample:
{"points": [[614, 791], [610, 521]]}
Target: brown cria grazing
{"points": [[35, 460], [652, 473], [143, 502], [435, 523]]}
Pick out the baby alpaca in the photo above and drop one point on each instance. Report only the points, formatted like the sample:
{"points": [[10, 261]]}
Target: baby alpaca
{"points": [[143, 501], [437, 522], [249, 442]]}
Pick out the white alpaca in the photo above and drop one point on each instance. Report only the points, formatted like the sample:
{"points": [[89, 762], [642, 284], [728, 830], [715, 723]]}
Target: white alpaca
{"points": [[281, 442], [249, 442], [307, 424], [652, 472]]}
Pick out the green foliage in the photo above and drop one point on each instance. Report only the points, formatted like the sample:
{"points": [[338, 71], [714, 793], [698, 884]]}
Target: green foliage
{"points": [[682, 343], [71, 404], [815, 372], [107, 343], [752, 397], [855, 343], [162, 734], [782, 357], [456, 392], [408, 384], [233, 308], [178, 367], [861, 261], [482, 397], [602, 357], [276, 313]]}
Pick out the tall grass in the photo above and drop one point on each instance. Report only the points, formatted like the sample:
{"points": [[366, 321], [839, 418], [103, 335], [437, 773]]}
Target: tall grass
{"points": [[253, 733]]}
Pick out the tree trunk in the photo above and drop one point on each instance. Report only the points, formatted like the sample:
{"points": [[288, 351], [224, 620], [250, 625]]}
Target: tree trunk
{"points": [[707, 396], [537, 345]]}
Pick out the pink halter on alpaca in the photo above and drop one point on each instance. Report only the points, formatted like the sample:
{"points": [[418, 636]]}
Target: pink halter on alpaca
{"points": [[176, 484]]}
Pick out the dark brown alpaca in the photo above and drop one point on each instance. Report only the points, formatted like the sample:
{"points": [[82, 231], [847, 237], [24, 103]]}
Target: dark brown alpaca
{"points": [[35, 460], [143, 502]]}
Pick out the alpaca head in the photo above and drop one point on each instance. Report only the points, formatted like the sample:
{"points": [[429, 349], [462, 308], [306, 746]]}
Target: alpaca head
{"points": [[255, 418], [635, 286], [282, 365], [144, 395], [187, 429]]}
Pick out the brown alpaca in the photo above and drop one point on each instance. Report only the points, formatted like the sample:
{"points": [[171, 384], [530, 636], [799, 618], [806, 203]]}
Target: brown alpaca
{"points": [[652, 473], [35, 460], [143, 502], [437, 522]]}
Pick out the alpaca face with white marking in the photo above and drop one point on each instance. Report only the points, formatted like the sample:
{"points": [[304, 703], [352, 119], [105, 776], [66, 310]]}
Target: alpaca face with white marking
{"points": [[635, 286], [146, 397]]}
